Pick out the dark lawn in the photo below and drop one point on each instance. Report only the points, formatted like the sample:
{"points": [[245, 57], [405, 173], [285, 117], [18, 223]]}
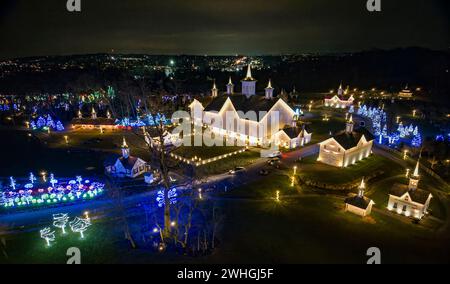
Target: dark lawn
{"points": [[311, 169], [314, 229]]}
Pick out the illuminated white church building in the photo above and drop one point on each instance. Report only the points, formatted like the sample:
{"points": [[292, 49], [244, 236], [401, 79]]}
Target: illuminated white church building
{"points": [[409, 200], [256, 129], [125, 165], [346, 147], [338, 101]]}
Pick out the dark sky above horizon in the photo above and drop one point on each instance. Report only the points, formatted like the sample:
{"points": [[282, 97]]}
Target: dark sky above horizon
{"points": [[29, 28]]}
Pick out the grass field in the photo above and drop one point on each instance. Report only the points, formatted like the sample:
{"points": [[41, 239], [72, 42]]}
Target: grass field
{"points": [[315, 229], [313, 170]]}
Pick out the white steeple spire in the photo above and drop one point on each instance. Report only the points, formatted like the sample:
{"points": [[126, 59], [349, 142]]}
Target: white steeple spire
{"points": [[124, 143], [249, 71], [249, 83], [214, 90], [414, 178], [349, 125], [340, 90], [361, 188], [125, 149], [230, 87], [269, 90], [416, 170]]}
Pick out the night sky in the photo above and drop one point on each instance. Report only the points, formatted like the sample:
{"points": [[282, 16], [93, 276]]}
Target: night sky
{"points": [[254, 27]]}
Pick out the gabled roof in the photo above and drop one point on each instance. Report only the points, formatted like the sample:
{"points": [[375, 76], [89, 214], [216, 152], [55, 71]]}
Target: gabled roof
{"points": [[360, 202], [128, 163], [417, 195], [350, 140], [294, 132], [243, 103]]}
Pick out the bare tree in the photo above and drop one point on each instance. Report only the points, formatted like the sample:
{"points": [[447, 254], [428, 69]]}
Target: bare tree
{"points": [[117, 197]]}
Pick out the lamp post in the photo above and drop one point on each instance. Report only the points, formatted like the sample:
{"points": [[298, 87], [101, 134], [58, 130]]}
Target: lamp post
{"points": [[66, 138], [405, 154], [407, 173], [277, 196]]}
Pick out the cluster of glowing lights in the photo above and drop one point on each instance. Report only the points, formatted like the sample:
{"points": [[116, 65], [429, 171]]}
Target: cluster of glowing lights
{"points": [[55, 192], [45, 123], [378, 118], [149, 120]]}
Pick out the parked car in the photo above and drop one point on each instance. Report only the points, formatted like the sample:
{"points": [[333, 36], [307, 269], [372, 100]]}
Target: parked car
{"points": [[274, 154], [236, 170]]}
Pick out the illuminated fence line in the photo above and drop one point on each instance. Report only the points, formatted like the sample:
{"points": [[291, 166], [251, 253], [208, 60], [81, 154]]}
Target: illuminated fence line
{"points": [[197, 161]]}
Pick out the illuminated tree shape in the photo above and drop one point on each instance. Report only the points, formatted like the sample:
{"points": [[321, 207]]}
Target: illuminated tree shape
{"points": [[79, 180], [50, 122], [111, 92], [40, 122], [351, 109], [12, 183], [53, 181], [416, 141], [3, 198], [59, 126], [79, 225], [384, 131], [33, 125], [416, 131], [60, 220], [48, 235], [172, 194], [32, 178]]}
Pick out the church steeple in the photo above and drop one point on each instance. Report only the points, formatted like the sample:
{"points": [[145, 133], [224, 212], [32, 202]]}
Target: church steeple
{"points": [[269, 90], [125, 149], [249, 73], [414, 178], [361, 188], [349, 125], [94, 114], [214, 90], [340, 90], [249, 83], [230, 87]]}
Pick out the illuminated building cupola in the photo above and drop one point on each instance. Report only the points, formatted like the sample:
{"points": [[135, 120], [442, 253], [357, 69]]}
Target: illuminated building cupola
{"points": [[361, 188], [230, 87], [340, 90], [249, 83], [214, 90], [269, 91], [125, 149], [414, 178], [349, 125]]}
